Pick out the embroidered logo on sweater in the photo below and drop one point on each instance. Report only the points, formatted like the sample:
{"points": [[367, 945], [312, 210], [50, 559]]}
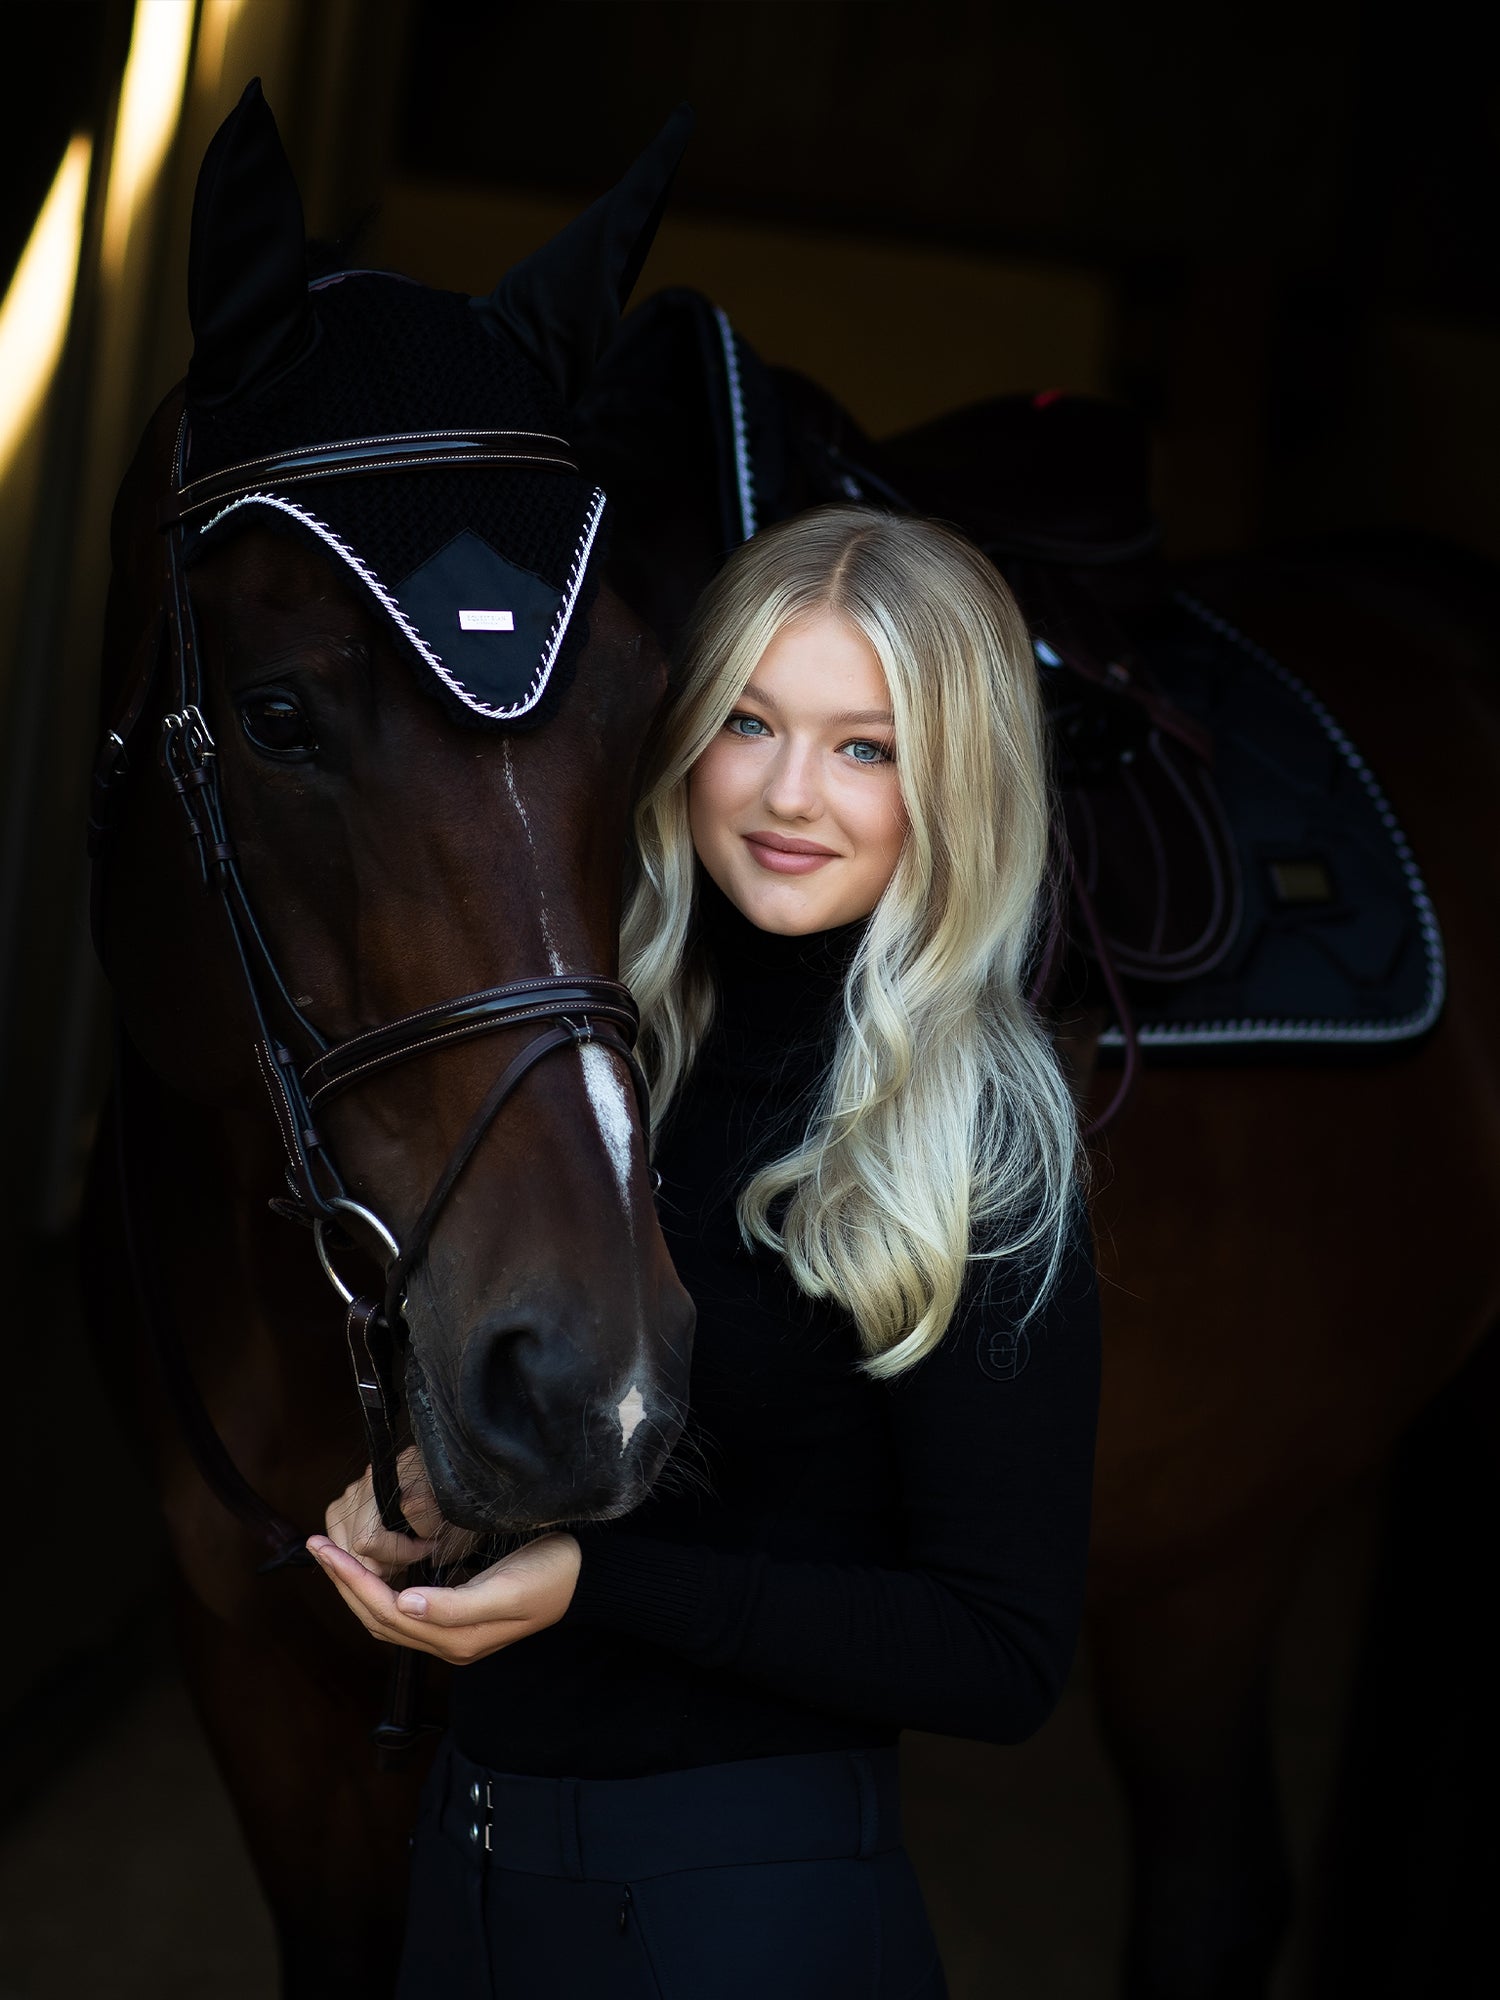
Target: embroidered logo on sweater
{"points": [[1003, 1352]]}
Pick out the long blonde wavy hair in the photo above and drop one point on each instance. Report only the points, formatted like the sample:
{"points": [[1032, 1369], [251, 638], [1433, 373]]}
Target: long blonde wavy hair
{"points": [[944, 1131]]}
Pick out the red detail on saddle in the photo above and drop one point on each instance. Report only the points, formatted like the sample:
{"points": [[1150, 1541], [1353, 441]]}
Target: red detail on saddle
{"points": [[1044, 397]]}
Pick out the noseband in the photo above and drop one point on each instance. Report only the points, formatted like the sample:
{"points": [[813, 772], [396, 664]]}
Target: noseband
{"points": [[567, 1009]]}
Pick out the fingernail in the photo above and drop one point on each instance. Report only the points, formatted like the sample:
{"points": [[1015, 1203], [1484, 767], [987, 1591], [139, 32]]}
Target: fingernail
{"points": [[317, 1546], [412, 1603]]}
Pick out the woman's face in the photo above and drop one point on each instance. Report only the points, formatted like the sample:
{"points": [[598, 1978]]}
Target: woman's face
{"points": [[794, 807]]}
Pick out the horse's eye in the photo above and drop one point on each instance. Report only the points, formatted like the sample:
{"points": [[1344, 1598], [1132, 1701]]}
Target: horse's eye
{"points": [[277, 726]]}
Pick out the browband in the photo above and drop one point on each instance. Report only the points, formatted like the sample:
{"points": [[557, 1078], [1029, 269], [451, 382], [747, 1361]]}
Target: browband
{"points": [[397, 451]]}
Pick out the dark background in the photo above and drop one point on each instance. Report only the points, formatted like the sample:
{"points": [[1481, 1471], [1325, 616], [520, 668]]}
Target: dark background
{"points": [[1270, 230]]}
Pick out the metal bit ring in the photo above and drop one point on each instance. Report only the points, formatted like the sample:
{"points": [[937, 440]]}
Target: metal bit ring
{"points": [[373, 1222]]}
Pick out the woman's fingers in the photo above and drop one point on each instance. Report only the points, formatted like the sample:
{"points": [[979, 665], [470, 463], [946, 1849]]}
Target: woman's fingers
{"points": [[374, 1604], [532, 1588], [418, 1502], [486, 1599], [354, 1524], [354, 1515], [372, 1601], [525, 1592], [388, 1553]]}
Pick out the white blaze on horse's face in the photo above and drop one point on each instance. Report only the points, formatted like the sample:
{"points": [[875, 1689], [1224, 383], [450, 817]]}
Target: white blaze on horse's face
{"points": [[549, 943], [601, 1076], [632, 1407], [606, 1090]]}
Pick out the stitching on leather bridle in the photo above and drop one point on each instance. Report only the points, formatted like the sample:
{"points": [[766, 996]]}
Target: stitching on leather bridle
{"points": [[385, 451], [620, 1011]]}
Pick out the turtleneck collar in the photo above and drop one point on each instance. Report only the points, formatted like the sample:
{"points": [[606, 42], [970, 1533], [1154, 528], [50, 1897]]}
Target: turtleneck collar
{"points": [[778, 995]]}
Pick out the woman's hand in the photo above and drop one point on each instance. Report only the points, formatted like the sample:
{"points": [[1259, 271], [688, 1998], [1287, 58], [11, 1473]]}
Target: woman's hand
{"points": [[354, 1523], [523, 1593]]}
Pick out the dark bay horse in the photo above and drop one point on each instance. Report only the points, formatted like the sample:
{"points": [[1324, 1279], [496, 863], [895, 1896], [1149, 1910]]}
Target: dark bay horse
{"points": [[393, 855], [1294, 1259]]}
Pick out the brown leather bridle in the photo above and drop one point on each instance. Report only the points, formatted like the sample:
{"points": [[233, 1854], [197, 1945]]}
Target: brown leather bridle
{"points": [[572, 1009]]}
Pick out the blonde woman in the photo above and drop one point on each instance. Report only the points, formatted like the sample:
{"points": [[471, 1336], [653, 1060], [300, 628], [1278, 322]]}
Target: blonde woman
{"points": [[869, 1169]]}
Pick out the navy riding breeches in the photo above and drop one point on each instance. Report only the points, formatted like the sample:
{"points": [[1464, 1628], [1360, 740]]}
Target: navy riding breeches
{"points": [[778, 1876]]}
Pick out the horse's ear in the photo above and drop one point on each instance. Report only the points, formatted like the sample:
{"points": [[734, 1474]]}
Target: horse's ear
{"points": [[247, 260], [563, 303]]}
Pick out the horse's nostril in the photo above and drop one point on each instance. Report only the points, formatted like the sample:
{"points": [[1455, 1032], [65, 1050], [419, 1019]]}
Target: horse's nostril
{"points": [[496, 1403], [532, 1429], [548, 1420], [522, 1403]]}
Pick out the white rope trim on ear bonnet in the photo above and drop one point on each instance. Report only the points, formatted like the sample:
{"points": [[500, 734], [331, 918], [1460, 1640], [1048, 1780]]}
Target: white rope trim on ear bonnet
{"points": [[398, 617]]}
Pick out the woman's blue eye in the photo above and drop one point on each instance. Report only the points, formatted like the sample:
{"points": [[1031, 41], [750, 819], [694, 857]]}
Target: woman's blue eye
{"points": [[753, 726], [865, 752]]}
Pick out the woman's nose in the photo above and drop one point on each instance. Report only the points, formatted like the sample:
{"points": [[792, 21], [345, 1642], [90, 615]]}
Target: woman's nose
{"points": [[791, 789]]}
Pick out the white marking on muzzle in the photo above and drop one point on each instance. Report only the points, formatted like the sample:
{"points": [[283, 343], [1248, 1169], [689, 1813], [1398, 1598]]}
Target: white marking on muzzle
{"points": [[632, 1407]]}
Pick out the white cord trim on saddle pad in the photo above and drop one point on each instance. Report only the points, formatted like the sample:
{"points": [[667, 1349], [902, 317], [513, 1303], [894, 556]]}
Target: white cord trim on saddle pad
{"points": [[744, 477], [387, 602], [1209, 1034]]}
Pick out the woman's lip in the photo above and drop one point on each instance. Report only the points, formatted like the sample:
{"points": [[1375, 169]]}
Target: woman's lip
{"points": [[793, 859], [786, 843]]}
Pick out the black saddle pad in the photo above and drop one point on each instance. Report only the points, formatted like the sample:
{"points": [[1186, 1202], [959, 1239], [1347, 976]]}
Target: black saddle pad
{"points": [[1337, 947]]}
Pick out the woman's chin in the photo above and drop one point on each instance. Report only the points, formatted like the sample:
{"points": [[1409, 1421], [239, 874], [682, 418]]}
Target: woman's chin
{"points": [[789, 907]]}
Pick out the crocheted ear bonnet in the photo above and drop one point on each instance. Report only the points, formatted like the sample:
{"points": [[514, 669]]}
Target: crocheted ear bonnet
{"points": [[418, 437]]}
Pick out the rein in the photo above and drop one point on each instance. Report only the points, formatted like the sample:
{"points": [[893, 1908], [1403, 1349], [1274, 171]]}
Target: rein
{"points": [[571, 1009]]}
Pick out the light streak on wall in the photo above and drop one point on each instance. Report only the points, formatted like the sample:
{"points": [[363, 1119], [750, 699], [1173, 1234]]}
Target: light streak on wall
{"points": [[150, 100], [34, 315], [214, 24]]}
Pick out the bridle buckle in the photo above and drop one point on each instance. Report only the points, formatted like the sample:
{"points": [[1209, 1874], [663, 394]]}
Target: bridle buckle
{"points": [[188, 732]]}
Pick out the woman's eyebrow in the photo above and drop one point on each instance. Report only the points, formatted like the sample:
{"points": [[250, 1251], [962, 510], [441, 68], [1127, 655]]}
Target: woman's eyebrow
{"points": [[845, 715]]}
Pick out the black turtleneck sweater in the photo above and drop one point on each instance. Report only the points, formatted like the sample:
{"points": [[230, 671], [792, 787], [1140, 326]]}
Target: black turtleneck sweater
{"points": [[829, 1559]]}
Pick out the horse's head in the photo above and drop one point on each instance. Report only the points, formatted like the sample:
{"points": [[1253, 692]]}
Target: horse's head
{"points": [[425, 710]]}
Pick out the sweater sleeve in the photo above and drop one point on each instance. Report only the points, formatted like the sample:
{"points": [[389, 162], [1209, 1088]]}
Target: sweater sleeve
{"points": [[974, 1632]]}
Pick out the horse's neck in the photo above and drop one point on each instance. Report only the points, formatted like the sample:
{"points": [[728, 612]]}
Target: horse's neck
{"points": [[201, 1179], [239, 1293]]}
